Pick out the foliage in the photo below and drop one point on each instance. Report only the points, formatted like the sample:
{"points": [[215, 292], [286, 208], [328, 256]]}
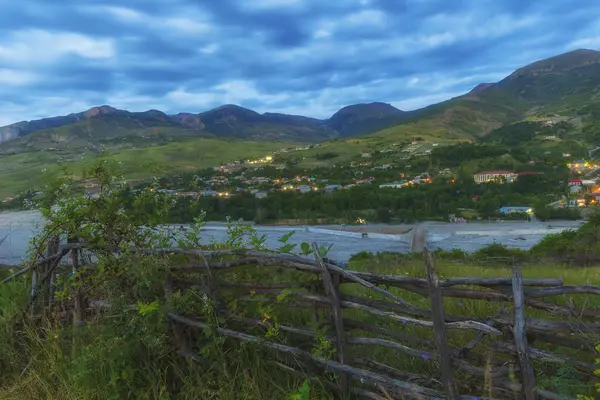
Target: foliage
{"points": [[585, 240], [129, 353], [496, 250], [328, 155]]}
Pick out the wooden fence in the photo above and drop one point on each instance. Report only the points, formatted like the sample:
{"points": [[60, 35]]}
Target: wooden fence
{"points": [[376, 324]]}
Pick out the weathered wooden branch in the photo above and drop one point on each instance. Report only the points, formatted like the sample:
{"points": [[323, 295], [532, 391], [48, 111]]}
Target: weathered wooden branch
{"points": [[519, 331], [465, 350], [439, 325], [35, 287], [261, 285], [178, 335], [536, 354], [358, 391], [517, 387], [468, 324], [556, 326], [35, 264], [403, 375], [336, 312], [427, 355], [329, 365], [354, 324], [577, 343], [564, 290], [408, 320], [397, 384]]}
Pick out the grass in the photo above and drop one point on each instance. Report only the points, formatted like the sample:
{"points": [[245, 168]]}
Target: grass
{"points": [[562, 379], [132, 355], [23, 171]]}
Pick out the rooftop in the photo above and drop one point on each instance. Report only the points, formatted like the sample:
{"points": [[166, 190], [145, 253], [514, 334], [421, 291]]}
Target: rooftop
{"points": [[498, 172]]}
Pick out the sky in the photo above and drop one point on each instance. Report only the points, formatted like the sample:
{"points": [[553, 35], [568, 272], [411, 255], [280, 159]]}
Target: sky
{"points": [[306, 57]]}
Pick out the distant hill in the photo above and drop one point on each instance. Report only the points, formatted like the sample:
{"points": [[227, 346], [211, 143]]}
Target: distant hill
{"points": [[103, 124], [362, 119], [566, 84], [562, 84]]}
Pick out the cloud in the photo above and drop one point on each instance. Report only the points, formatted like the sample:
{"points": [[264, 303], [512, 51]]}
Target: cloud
{"points": [[170, 23], [41, 46], [305, 57], [12, 77]]}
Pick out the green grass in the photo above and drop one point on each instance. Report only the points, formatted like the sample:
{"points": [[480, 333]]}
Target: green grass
{"points": [[561, 379], [23, 171], [233, 368]]}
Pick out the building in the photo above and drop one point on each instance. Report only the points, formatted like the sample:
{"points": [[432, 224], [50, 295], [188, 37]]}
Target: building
{"points": [[515, 210], [332, 187], [575, 182], [578, 166], [394, 185], [261, 194], [514, 177], [494, 176]]}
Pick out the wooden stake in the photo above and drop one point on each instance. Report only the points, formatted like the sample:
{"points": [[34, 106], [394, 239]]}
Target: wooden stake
{"points": [[519, 332], [439, 325], [336, 312]]}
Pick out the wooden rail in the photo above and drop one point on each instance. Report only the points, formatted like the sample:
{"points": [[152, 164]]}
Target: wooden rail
{"points": [[473, 354]]}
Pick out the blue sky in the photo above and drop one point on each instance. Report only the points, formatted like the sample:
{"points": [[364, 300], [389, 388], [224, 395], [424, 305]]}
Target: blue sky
{"points": [[307, 57]]}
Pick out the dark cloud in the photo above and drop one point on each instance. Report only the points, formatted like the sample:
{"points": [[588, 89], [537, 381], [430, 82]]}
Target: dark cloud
{"points": [[302, 56]]}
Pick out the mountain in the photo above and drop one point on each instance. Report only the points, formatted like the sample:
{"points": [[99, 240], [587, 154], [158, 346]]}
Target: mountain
{"points": [[557, 78], [567, 83], [235, 121], [362, 119], [228, 121], [561, 84]]}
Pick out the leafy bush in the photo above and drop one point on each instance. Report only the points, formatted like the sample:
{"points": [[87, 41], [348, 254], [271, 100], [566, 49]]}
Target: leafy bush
{"points": [[585, 240], [496, 250], [127, 352], [328, 155]]}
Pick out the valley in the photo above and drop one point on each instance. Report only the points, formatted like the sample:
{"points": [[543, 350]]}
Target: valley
{"points": [[537, 120]]}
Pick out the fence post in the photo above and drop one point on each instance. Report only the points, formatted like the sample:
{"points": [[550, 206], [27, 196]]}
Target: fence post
{"points": [[48, 291], [519, 332], [437, 312], [336, 312], [78, 307], [33, 293]]}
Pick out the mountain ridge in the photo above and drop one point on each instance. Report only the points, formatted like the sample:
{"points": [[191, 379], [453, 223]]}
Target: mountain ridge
{"points": [[226, 120], [557, 82]]}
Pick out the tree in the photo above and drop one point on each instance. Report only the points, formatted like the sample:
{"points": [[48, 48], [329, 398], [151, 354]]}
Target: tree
{"points": [[383, 215]]}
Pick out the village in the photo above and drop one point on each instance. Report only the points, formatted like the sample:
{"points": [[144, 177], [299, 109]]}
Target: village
{"points": [[244, 176], [400, 166]]}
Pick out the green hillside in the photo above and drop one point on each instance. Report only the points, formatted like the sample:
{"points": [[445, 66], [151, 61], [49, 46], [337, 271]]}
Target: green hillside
{"points": [[23, 171], [564, 90]]}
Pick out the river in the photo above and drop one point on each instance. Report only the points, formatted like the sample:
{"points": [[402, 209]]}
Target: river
{"points": [[16, 228]]}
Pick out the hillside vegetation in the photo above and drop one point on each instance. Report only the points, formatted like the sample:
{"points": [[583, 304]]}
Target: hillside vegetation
{"points": [[24, 171], [125, 347], [562, 89]]}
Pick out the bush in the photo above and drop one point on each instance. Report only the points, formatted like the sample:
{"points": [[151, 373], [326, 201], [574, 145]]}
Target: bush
{"points": [[582, 241], [327, 155], [496, 250]]}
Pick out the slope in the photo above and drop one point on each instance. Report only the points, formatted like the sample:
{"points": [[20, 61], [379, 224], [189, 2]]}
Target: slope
{"points": [[108, 125], [24, 171], [566, 83]]}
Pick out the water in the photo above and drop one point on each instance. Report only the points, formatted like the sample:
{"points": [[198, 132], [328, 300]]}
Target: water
{"points": [[18, 227]]}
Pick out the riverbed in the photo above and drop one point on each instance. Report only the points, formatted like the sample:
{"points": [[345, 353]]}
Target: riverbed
{"points": [[16, 228]]}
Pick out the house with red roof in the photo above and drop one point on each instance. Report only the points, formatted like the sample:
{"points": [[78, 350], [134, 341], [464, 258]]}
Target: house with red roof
{"points": [[575, 182]]}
